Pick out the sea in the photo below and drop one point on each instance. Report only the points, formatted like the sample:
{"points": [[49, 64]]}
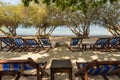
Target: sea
{"points": [[63, 31]]}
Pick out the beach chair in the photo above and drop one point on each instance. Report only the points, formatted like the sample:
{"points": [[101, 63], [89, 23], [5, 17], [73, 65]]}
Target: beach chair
{"points": [[75, 43], [101, 43], [8, 43], [32, 43], [20, 68], [19, 44], [95, 68], [114, 43], [45, 43]]}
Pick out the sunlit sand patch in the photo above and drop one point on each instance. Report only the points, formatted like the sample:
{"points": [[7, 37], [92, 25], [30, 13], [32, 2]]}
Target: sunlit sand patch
{"points": [[98, 52], [55, 49], [117, 55], [42, 52], [113, 59], [94, 57], [74, 61], [31, 55], [81, 60], [105, 59], [66, 57]]}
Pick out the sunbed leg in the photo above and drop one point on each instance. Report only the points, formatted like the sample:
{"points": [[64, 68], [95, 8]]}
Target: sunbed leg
{"points": [[1, 77], [18, 76], [105, 78], [39, 77], [83, 78], [86, 75], [0, 44], [48, 49], [13, 48]]}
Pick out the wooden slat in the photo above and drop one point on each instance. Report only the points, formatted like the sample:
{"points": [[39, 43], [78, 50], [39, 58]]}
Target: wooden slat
{"points": [[105, 78]]}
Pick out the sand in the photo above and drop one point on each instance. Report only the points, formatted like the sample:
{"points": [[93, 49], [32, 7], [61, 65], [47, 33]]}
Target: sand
{"points": [[62, 52]]}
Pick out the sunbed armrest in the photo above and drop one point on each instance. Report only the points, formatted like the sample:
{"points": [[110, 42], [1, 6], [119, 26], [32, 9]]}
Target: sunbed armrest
{"points": [[34, 64], [88, 66]]}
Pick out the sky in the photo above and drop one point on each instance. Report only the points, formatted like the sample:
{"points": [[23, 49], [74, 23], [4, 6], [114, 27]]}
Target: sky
{"points": [[95, 30], [15, 2]]}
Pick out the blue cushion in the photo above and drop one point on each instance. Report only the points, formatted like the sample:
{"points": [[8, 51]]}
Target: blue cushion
{"points": [[31, 42], [16, 67], [75, 41], [102, 42], [114, 41], [6, 40], [6, 67], [45, 42], [19, 42], [28, 67]]}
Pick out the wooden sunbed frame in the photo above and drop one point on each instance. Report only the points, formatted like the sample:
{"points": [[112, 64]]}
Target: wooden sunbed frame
{"points": [[40, 69], [92, 64], [18, 44], [99, 47], [35, 46], [10, 44], [78, 45], [116, 45], [42, 44]]}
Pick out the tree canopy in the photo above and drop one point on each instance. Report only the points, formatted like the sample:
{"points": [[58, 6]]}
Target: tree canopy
{"points": [[74, 4]]}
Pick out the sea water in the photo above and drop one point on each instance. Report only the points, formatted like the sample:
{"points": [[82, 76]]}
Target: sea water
{"points": [[63, 31]]}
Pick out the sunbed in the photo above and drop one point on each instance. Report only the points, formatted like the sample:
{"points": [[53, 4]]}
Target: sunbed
{"points": [[95, 68], [75, 43], [18, 67]]}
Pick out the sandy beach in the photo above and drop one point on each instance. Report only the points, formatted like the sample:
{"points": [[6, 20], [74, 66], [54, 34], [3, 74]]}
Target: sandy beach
{"points": [[62, 52]]}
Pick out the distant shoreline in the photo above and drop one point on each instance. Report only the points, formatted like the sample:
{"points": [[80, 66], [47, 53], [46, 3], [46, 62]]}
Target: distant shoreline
{"points": [[67, 35]]}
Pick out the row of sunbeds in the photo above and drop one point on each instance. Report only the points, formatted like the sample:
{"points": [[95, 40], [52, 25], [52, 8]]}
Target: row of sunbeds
{"points": [[101, 43], [25, 44], [18, 68]]}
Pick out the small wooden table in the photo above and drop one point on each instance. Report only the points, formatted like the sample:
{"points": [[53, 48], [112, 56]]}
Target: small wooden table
{"points": [[85, 45], [60, 44], [61, 66]]}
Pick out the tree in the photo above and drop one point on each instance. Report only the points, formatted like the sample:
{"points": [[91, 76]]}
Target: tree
{"points": [[44, 19], [79, 22], [10, 19], [110, 18]]}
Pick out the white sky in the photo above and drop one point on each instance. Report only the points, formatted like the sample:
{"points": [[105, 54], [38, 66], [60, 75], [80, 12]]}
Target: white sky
{"points": [[12, 1]]}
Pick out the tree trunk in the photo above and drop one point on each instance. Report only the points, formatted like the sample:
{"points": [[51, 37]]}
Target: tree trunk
{"points": [[5, 33], [77, 34], [38, 32]]}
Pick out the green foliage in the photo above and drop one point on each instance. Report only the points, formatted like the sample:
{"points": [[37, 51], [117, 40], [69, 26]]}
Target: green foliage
{"points": [[27, 2], [46, 2], [10, 18], [82, 5]]}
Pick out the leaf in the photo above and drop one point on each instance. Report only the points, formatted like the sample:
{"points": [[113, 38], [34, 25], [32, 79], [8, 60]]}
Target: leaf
{"points": [[26, 2], [111, 1], [53, 1], [46, 2], [36, 1], [104, 1]]}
